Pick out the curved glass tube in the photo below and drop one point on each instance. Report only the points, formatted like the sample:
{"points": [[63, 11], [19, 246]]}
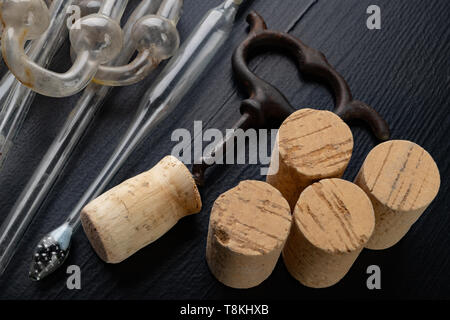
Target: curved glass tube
{"points": [[86, 7], [173, 83], [15, 99], [156, 38], [58, 154], [96, 38], [8, 81]]}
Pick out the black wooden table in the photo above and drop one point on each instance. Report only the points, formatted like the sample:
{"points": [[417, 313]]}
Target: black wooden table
{"points": [[402, 70]]}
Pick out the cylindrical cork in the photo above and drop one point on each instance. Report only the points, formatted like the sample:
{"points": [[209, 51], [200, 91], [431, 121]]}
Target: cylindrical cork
{"points": [[247, 231], [333, 220], [139, 211], [401, 179], [311, 145]]}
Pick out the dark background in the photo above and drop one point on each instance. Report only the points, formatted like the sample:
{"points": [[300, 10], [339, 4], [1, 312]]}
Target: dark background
{"points": [[402, 70]]}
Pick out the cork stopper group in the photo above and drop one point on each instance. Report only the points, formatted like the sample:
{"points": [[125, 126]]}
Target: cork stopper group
{"points": [[311, 145], [333, 219], [305, 212]]}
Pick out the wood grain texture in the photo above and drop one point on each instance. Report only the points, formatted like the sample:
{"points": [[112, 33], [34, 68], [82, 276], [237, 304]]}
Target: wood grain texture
{"points": [[333, 220], [402, 180], [248, 228], [401, 70], [311, 145]]}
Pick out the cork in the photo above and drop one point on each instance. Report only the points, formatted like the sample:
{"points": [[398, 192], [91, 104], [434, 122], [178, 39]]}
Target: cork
{"points": [[248, 228], [401, 179], [333, 220], [311, 145], [139, 211]]}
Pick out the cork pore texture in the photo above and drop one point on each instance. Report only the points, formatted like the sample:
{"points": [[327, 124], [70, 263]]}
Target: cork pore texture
{"points": [[401, 175], [317, 144], [93, 236], [252, 219], [335, 215], [190, 199]]}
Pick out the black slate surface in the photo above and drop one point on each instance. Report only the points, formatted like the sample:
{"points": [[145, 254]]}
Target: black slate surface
{"points": [[402, 70]]}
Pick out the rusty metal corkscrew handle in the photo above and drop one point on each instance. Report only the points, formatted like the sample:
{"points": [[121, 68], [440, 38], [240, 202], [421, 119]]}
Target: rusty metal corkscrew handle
{"points": [[266, 105]]}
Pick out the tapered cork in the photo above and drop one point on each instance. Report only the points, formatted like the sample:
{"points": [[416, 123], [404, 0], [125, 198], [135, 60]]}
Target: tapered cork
{"points": [[311, 145], [401, 179], [248, 228], [139, 211], [333, 220]]}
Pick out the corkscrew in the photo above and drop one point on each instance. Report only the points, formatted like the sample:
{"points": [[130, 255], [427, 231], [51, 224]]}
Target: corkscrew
{"points": [[266, 105]]}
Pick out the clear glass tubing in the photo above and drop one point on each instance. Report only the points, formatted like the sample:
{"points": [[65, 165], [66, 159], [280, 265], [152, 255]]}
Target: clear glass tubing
{"points": [[15, 106], [58, 154], [15, 99], [96, 38], [47, 2], [177, 78], [156, 38], [86, 7]]}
